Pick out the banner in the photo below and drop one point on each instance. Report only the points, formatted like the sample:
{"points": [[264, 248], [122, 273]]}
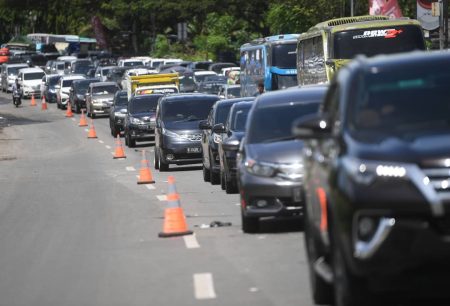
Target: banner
{"points": [[385, 7], [428, 21]]}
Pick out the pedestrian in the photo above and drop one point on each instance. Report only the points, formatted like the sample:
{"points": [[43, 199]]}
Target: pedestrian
{"points": [[260, 89]]}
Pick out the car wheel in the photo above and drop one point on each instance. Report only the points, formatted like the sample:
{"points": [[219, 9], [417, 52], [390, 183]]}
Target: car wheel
{"points": [[321, 291], [156, 159], [348, 289], [114, 131], [77, 108], [230, 186], [249, 224], [92, 115], [214, 176], [126, 139], [162, 165], [131, 142], [222, 180], [206, 174]]}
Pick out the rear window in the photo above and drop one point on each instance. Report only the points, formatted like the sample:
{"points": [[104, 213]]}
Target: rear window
{"points": [[371, 42], [186, 110], [239, 119], [222, 113], [33, 76]]}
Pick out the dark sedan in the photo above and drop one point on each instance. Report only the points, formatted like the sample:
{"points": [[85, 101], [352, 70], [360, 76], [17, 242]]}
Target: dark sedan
{"points": [[140, 119], [269, 165], [232, 133], [118, 112], [77, 94], [177, 136]]}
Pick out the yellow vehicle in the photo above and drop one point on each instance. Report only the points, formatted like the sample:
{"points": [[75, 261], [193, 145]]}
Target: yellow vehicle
{"points": [[324, 48], [150, 81]]}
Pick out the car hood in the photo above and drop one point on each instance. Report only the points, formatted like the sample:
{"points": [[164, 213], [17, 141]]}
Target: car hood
{"points": [[145, 116], [283, 152], [182, 125], [418, 150], [103, 97]]}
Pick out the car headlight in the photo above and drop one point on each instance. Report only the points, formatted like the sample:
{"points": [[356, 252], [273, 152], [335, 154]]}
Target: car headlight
{"points": [[80, 97], [217, 138], [260, 168], [170, 133], [120, 114], [134, 120], [365, 172]]}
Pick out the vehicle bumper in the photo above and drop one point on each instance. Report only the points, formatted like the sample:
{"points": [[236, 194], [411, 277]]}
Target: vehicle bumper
{"points": [[51, 97], [270, 197], [29, 93], [141, 132], [179, 151], [119, 122], [80, 103], [100, 108]]}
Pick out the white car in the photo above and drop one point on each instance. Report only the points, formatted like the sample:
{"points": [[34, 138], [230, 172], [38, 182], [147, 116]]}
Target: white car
{"points": [[199, 76], [63, 89], [130, 63], [102, 72], [30, 81]]}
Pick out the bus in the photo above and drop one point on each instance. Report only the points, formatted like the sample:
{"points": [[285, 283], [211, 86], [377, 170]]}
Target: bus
{"points": [[271, 61], [329, 45]]}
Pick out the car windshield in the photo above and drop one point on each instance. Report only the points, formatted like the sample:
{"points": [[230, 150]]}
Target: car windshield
{"points": [[132, 64], [233, 92], [143, 104], [53, 81], [15, 70], [405, 103], [274, 122], [186, 110], [82, 69], [239, 119], [121, 99], [371, 42], [201, 77], [60, 67], [283, 81], [105, 90], [33, 76], [216, 78], [105, 71], [82, 86], [67, 83], [222, 113], [284, 55]]}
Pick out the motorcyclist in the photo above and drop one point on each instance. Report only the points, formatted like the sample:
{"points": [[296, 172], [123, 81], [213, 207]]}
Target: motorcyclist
{"points": [[16, 91]]}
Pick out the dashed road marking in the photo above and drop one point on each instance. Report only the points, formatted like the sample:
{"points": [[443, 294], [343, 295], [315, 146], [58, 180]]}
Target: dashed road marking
{"points": [[87, 130], [191, 242], [101, 141], [150, 187], [204, 286], [108, 147], [162, 197], [73, 119], [130, 169]]}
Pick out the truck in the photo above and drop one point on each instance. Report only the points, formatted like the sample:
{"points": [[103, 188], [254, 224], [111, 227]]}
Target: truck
{"points": [[150, 81]]}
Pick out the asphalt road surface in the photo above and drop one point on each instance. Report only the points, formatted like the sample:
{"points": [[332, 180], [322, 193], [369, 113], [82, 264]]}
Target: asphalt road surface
{"points": [[76, 228]]}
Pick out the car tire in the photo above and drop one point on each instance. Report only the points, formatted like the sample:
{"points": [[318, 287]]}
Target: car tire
{"points": [[214, 176], [206, 174], [163, 166], [222, 180], [230, 186], [92, 115], [156, 160], [249, 224], [114, 131], [130, 142], [321, 291], [77, 108]]}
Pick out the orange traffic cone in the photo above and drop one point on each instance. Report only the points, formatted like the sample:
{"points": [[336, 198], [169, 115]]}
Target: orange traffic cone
{"points": [[119, 153], [44, 104], [83, 121], [69, 113], [91, 133], [33, 101], [174, 219], [145, 176]]}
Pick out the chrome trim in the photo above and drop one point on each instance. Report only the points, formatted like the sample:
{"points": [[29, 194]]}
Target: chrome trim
{"points": [[365, 250]]}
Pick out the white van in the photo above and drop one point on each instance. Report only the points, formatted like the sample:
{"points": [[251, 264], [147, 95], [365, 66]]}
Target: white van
{"points": [[30, 81], [9, 75], [63, 89]]}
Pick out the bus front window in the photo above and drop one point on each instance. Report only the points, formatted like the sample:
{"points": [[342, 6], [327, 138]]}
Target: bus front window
{"points": [[283, 81], [374, 41], [284, 56]]}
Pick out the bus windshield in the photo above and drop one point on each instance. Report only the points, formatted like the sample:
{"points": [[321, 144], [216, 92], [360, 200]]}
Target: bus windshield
{"points": [[284, 55], [371, 42]]}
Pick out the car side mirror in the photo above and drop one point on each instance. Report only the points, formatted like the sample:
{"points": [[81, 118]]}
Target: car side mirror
{"points": [[231, 145], [312, 126], [218, 128], [204, 125]]}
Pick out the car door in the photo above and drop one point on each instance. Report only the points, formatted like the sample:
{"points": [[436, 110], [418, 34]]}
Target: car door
{"points": [[205, 140]]}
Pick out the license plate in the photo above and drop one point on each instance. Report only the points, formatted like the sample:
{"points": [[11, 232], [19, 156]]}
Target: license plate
{"points": [[194, 150], [297, 194]]}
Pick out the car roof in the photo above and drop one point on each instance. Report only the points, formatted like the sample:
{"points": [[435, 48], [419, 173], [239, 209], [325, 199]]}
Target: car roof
{"points": [[27, 70], [16, 65], [189, 96], [243, 104], [291, 95], [204, 72], [72, 77], [98, 84], [144, 97]]}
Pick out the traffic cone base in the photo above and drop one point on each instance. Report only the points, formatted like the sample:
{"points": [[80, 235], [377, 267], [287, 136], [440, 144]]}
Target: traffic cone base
{"points": [[44, 105], [69, 113], [174, 223], [92, 133], [83, 121], [33, 101], [145, 175], [119, 153]]}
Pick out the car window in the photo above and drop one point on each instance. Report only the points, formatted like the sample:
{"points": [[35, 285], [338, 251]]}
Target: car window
{"points": [[143, 104], [186, 110]]}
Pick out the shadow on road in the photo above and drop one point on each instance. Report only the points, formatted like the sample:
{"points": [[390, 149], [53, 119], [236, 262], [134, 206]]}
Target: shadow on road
{"points": [[185, 168], [280, 225], [8, 119]]}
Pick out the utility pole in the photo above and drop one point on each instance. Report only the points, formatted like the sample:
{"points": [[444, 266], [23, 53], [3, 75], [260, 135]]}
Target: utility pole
{"points": [[445, 16]]}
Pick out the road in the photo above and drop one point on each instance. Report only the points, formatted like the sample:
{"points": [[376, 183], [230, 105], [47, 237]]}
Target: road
{"points": [[76, 228]]}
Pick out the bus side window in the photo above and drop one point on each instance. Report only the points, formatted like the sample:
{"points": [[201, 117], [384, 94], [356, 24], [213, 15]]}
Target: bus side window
{"points": [[319, 60], [308, 61]]}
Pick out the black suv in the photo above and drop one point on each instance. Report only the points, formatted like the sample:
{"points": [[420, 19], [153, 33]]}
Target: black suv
{"points": [[140, 119], [118, 112], [377, 176], [177, 135], [77, 94], [210, 140]]}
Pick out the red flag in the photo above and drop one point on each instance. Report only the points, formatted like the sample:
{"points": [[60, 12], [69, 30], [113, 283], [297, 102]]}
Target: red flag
{"points": [[385, 7]]}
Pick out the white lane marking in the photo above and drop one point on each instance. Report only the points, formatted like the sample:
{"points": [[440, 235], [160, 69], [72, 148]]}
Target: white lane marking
{"points": [[150, 187], [108, 147], [238, 204], [162, 197], [73, 119], [191, 242], [130, 169], [101, 141], [204, 286], [137, 176], [87, 130]]}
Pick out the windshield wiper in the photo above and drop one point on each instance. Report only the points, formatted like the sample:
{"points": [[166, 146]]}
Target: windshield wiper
{"points": [[283, 138]]}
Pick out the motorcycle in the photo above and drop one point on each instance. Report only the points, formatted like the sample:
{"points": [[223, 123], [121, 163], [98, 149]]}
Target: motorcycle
{"points": [[16, 99]]}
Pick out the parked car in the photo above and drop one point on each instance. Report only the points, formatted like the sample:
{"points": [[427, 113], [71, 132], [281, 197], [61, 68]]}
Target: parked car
{"points": [[229, 91], [211, 140], [99, 98], [118, 112], [177, 135], [48, 89], [212, 84], [269, 166], [9, 74], [376, 181], [30, 82], [232, 133], [63, 89], [77, 93], [140, 119]]}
